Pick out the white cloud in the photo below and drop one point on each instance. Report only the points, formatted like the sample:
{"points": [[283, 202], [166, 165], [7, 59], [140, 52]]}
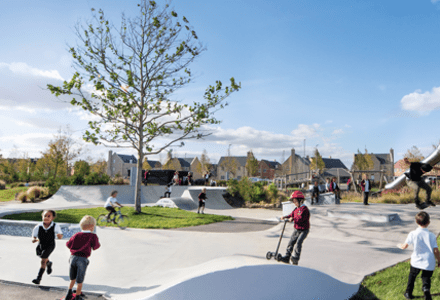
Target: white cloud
{"points": [[422, 103], [435, 1], [337, 132], [306, 131], [23, 69]]}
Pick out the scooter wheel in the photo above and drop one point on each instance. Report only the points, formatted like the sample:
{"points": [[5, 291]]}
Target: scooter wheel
{"points": [[279, 257], [269, 255]]}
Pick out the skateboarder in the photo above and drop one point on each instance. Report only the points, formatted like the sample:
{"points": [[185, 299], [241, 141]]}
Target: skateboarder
{"points": [[416, 170], [301, 218]]}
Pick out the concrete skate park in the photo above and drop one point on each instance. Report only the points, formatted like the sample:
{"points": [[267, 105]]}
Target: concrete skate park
{"points": [[223, 260]]}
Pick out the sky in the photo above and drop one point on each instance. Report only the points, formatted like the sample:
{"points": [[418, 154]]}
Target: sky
{"points": [[338, 76]]}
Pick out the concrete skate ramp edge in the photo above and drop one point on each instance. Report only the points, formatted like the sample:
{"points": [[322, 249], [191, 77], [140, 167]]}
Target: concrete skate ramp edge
{"points": [[184, 197], [432, 159], [189, 200], [260, 282]]}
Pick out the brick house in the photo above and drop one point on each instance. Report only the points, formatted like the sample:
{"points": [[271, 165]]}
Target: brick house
{"points": [[120, 164], [267, 169]]}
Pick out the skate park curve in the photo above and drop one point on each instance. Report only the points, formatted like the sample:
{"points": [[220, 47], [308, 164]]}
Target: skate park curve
{"points": [[158, 263]]}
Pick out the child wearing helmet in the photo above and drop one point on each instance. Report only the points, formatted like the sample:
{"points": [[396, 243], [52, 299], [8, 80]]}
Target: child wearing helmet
{"points": [[301, 218]]}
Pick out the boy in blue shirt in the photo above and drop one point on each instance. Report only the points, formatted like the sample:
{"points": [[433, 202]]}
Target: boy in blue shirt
{"points": [[423, 257]]}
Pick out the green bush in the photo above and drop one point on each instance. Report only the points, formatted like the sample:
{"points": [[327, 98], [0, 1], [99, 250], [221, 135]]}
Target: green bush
{"points": [[96, 179], [250, 192], [2, 185], [77, 179]]}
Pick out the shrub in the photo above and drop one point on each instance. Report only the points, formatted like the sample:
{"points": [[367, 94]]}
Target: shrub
{"points": [[33, 193], [96, 179], [273, 192], [14, 184], [77, 179], [117, 181], [2, 185], [22, 197]]}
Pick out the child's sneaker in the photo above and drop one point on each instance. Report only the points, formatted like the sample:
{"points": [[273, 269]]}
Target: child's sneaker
{"points": [[408, 296], [294, 261], [68, 295], [49, 267], [430, 203]]}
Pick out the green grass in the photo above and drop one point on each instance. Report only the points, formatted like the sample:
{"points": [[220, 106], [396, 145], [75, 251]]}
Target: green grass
{"points": [[151, 217], [391, 283], [9, 194]]}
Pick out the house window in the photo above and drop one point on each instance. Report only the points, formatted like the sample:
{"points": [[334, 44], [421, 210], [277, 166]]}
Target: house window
{"points": [[222, 177], [264, 170], [239, 177], [223, 168], [113, 169], [239, 168], [114, 161]]}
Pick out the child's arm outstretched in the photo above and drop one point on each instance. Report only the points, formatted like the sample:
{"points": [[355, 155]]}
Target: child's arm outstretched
{"points": [[404, 246]]}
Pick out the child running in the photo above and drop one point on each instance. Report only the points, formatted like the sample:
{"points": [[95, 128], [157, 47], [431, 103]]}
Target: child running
{"points": [[423, 257], [44, 233], [301, 218], [202, 199], [81, 245]]}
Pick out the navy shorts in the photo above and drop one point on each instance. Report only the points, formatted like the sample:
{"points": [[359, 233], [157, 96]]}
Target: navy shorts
{"points": [[45, 251], [78, 267], [201, 204]]}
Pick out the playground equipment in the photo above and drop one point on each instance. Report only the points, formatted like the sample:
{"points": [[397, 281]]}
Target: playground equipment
{"points": [[432, 159]]}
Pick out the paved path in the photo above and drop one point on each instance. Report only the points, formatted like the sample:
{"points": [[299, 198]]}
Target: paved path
{"points": [[136, 264]]}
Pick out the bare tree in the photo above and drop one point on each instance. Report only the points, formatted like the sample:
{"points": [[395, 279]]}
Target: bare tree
{"points": [[134, 70]]}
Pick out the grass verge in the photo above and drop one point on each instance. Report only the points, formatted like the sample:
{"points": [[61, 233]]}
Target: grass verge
{"points": [[9, 194], [150, 217], [391, 283]]}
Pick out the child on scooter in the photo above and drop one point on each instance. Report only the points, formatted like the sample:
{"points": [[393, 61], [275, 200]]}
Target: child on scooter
{"points": [[301, 218]]}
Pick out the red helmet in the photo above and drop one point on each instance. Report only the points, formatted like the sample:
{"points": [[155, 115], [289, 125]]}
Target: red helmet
{"points": [[297, 195]]}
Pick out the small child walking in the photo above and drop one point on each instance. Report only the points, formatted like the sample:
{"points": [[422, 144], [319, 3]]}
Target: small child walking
{"points": [[301, 218], [423, 257], [81, 245], [44, 233], [202, 199]]}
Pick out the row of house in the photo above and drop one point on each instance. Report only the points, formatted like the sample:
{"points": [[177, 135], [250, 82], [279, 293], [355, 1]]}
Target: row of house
{"points": [[295, 167]]}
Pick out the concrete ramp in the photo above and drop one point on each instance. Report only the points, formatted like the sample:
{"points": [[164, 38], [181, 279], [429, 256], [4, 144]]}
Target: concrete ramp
{"points": [[189, 199], [184, 197], [178, 202], [265, 281]]}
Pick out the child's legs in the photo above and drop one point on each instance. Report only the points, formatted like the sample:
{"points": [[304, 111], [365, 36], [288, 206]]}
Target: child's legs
{"points": [[301, 237], [46, 251], [426, 280], [81, 264], [422, 184], [111, 211], [292, 242], [413, 272]]}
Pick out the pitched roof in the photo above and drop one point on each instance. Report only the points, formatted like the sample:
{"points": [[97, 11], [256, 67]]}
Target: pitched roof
{"points": [[331, 163], [334, 172], [152, 163], [185, 162], [126, 158], [271, 164], [383, 158], [240, 159]]}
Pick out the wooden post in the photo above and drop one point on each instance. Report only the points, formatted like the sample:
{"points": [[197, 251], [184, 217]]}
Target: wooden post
{"points": [[381, 178]]}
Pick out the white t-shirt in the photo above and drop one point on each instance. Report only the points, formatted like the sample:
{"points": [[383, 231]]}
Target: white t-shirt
{"points": [[109, 201], [424, 243], [37, 228]]}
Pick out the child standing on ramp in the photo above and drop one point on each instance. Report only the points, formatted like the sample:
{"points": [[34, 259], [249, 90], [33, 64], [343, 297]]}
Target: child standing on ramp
{"points": [[44, 233], [202, 199], [301, 218], [423, 257], [81, 245]]}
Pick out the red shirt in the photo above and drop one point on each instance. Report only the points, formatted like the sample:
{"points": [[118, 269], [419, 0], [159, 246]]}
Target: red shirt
{"points": [[301, 217], [82, 243]]}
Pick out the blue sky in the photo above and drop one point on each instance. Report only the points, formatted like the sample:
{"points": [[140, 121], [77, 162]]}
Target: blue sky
{"points": [[342, 75]]}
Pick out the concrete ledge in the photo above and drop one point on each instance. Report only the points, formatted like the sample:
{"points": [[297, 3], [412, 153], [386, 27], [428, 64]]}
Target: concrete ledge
{"points": [[323, 199], [24, 228], [378, 218]]}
